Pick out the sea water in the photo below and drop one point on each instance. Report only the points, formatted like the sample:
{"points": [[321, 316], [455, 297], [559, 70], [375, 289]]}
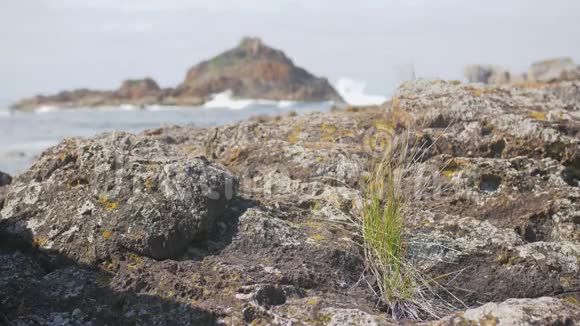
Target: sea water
{"points": [[24, 135]]}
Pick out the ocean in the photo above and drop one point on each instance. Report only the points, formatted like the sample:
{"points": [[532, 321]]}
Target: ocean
{"points": [[24, 135]]}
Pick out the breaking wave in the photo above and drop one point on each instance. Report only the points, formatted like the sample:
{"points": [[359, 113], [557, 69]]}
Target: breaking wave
{"points": [[225, 100], [353, 92]]}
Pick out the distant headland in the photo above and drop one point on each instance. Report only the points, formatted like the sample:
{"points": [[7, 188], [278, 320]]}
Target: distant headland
{"points": [[251, 70]]}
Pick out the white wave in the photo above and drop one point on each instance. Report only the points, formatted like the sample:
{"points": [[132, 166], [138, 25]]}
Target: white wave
{"points": [[128, 107], [353, 92], [47, 109], [286, 104], [224, 100]]}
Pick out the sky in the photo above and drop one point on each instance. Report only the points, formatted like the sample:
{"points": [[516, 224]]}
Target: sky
{"points": [[50, 45]]}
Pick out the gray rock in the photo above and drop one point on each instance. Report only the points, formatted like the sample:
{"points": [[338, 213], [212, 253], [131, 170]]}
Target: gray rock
{"points": [[552, 69], [540, 311], [90, 198], [486, 74]]}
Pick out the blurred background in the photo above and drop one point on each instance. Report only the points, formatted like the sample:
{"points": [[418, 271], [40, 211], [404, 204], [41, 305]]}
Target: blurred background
{"points": [[365, 47]]}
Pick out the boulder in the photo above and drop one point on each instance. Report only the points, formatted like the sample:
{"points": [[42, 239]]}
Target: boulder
{"points": [[5, 179], [91, 198]]}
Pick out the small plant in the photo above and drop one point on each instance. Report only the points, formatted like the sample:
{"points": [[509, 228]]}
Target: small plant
{"points": [[383, 228], [387, 191]]}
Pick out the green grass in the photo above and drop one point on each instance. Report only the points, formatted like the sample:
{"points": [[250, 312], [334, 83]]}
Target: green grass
{"points": [[382, 228]]}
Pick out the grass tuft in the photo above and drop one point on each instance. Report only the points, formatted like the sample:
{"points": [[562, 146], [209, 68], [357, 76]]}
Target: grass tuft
{"points": [[388, 189], [383, 230]]}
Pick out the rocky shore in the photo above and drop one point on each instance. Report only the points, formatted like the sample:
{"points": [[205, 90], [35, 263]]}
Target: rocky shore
{"points": [[249, 223], [551, 70], [251, 70]]}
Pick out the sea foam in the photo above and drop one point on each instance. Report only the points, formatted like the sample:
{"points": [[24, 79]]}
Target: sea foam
{"points": [[353, 92]]}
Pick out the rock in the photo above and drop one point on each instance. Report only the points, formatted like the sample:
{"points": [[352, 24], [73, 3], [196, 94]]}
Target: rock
{"points": [[486, 74], [552, 69], [255, 70], [138, 88], [251, 70], [90, 198], [539, 311], [491, 218], [5, 179]]}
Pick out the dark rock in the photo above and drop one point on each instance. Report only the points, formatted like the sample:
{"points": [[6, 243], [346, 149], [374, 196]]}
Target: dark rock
{"points": [[5, 179]]}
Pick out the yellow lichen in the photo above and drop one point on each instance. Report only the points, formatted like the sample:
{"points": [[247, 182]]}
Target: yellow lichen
{"points": [[106, 234], [312, 301], [328, 132], [40, 241], [315, 205], [112, 205], [135, 236], [453, 167], [488, 320], [322, 319], [317, 236], [572, 299], [531, 84], [537, 115], [148, 183], [109, 204], [103, 199], [293, 135]]}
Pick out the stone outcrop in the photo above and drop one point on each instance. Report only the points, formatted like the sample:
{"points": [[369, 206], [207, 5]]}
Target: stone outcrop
{"points": [[255, 70], [495, 224], [251, 70], [552, 70]]}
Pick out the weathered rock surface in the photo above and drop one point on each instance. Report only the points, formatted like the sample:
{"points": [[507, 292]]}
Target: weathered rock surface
{"points": [[496, 222], [540, 311], [250, 70], [89, 198]]}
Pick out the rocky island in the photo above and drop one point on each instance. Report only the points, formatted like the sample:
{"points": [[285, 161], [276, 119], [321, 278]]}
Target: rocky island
{"points": [[251, 70], [258, 222]]}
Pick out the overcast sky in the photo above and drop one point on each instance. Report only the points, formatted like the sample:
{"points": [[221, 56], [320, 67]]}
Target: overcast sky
{"points": [[50, 45]]}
